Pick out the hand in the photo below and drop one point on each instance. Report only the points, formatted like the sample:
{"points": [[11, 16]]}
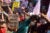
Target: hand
{"points": [[45, 16]]}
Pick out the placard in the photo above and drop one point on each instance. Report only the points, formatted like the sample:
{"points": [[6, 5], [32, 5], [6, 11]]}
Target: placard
{"points": [[13, 22], [13, 18], [15, 5], [13, 25]]}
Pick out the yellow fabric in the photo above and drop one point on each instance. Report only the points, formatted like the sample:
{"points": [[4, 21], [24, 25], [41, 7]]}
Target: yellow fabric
{"points": [[15, 5]]}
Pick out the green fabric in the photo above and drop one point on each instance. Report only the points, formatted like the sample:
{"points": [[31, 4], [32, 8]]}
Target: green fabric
{"points": [[23, 27]]}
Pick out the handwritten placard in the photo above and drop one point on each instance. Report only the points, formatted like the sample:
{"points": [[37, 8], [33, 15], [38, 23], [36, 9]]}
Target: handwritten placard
{"points": [[13, 18]]}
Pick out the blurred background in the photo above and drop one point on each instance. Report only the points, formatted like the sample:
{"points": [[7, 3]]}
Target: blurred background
{"points": [[13, 14]]}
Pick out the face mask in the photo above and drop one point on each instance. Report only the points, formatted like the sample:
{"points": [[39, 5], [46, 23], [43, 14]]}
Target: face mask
{"points": [[3, 29]]}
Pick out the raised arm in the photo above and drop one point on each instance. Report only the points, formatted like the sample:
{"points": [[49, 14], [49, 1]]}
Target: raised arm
{"points": [[26, 13], [2, 17], [10, 10], [45, 16], [1, 14]]}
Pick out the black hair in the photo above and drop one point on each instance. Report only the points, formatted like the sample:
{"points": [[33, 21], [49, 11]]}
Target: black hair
{"points": [[5, 8], [44, 6], [26, 10], [34, 17], [37, 18]]}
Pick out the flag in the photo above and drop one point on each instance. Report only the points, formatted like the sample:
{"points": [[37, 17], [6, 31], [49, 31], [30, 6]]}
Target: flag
{"points": [[16, 4]]}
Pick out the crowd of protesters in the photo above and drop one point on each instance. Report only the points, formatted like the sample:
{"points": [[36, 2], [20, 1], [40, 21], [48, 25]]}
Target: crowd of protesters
{"points": [[33, 16]]}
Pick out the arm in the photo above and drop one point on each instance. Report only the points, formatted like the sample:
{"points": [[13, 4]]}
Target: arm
{"points": [[26, 13], [45, 16], [1, 10], [5, 13], [10, 11], [2, 18]]}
